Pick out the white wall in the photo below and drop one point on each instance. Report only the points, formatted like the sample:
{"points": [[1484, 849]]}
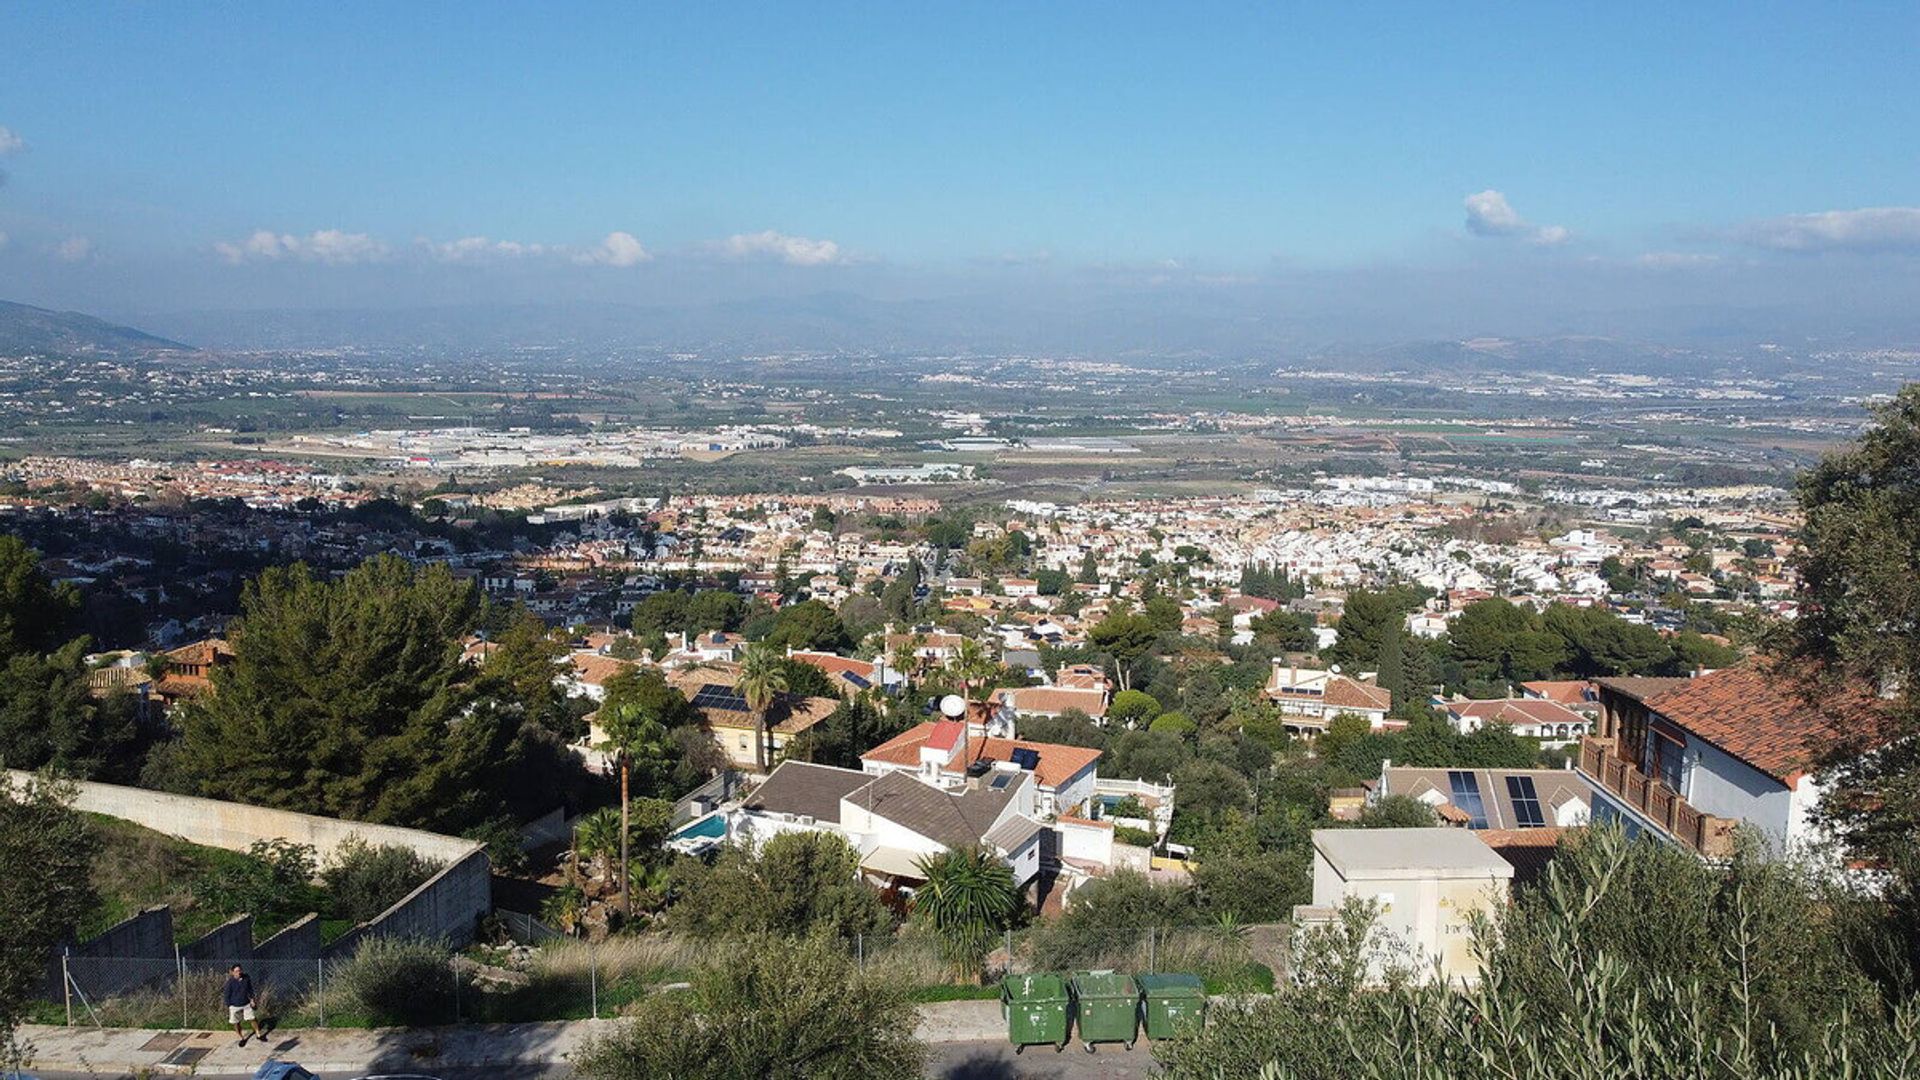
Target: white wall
{"points": [[1090, 842], [1720, 784]]}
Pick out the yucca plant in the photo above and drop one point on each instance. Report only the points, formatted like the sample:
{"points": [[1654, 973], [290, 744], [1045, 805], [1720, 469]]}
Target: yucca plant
{"points": [[967, 901]]}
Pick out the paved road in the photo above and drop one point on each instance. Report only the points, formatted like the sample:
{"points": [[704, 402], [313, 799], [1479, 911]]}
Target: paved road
{"points": [[528, 1073], [997, 1061]]}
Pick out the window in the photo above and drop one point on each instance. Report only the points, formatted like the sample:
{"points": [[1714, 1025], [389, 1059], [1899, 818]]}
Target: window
{"points": [[1466, 796], [1526, 802]]}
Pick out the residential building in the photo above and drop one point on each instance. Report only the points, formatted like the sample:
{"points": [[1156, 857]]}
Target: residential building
{"points": [[1690, 760], [948, 752], [1492, 798], [732, 723], [1309, 698], [1428, 887], [1535, 718], [1052, 700]]}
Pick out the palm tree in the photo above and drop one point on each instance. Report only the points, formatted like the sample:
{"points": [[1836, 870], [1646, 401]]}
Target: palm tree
{"points": [[969, 897], [564, 907], [975, 667], [598, 836], [761, 683], [633, 733]]}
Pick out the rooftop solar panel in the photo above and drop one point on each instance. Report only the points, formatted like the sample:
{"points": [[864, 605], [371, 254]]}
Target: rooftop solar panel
{"points": [[718, 696], [1526, 802], [1466, 796]]}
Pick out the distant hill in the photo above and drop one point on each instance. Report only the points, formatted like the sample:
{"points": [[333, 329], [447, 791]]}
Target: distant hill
{"points": [[24, 328]]}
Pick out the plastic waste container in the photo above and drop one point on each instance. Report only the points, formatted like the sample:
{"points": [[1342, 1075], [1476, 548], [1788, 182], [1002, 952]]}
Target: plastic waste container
{"points": [[1036, 1008], [1106, 1008], [1172, 1004]]}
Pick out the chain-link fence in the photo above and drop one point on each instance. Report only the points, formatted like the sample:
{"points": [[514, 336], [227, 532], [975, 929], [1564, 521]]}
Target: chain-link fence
{"points": [[543, 975]]}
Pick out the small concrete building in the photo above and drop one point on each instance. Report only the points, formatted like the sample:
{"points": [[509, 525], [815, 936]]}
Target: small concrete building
{"points": [[1427, 884]]}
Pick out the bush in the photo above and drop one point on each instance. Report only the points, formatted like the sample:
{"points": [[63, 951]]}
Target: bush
{"points": [[365, 880], [766, 1008], [400, 982]]}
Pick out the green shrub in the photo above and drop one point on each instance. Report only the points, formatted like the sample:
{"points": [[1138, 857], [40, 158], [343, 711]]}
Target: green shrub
{"points": [[393, 982], [365, 880]]}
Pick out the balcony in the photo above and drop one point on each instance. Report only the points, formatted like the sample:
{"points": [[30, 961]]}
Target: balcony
{"points": [[1705, 835]]}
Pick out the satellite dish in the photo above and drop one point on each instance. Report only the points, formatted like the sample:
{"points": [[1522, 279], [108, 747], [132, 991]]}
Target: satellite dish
{"points": [[953, 705], [1334, 668]]}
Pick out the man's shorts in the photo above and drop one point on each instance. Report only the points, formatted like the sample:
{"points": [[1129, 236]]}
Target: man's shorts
{"points": [[237, 1013]]}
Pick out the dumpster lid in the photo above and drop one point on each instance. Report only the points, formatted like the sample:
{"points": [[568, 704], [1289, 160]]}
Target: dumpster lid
{"points": [[1037, 986], [1172, 984], [1103, 984]]}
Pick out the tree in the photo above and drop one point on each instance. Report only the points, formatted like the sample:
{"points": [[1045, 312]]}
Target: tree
{"points": [[1859, 622], [350, 699], [1596, 642], [793, 885], [48, 717], [1398, 812], [1173, 723], [968, 898], [598, 836], [761, 683], [522, 664], [46, 856], [1126, 637], [1365, 621], [1498, 643], [853, 727], [810, 624], [1132, 707], [34, 613], [766, 1007], [634, 735]]}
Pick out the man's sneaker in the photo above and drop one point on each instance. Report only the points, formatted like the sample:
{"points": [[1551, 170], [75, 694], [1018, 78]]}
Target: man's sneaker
{"points": [[243, 1041]]}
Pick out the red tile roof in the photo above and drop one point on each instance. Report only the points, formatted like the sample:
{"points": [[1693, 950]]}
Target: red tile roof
{"points": [[1345, 693], [1761, 717], [1054, 699], [1516, 711], [1058, 763]]}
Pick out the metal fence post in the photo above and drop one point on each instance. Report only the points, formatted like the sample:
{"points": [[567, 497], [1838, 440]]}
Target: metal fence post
{"points": [[180, 981], [66, 984], [1008, 933], [593, 978], [320, 986], [453, 969], [860, 950], [1150, 957]]}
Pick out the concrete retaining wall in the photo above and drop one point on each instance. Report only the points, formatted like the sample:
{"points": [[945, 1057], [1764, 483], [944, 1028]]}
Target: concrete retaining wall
{"points": [[235, 826], [225, 945], [148, 936], [448, 906]]}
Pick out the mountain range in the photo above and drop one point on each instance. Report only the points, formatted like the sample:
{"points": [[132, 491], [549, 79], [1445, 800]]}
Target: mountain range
{"points": [[28, 329]]}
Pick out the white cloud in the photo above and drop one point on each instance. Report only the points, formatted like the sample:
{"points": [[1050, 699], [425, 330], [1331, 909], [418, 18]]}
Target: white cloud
{"points": [[10, 141], [471, 249], [1883, 228], [618, 249], [74, 249], [792, 250], [1676, 260], [1489, 214], [330, 246]]}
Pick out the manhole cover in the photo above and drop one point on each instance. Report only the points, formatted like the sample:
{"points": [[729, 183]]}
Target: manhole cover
{"points": [[187, 1055], [166, 1040]]}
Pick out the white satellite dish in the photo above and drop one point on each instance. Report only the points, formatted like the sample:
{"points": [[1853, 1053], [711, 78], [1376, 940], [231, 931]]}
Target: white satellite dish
{"points": [[1334, 668], [953, 705]]}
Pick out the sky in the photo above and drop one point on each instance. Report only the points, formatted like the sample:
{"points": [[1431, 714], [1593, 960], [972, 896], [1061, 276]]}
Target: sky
{"points": [[1569, 159]]}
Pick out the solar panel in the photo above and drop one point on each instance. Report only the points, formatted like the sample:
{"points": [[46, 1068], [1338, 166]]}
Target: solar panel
{"points": [[719, 696], [999, 782], [1025, 757], [1466, 796], [1526, 802]]}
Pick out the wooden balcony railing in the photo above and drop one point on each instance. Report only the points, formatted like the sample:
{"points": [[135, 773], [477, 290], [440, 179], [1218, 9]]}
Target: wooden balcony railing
{"points": [[1705, 834]]}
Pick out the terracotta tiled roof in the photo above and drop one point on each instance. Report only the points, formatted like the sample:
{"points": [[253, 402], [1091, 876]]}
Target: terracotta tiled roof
{"points": [[1761, 717], [1640, 688], [1516, 711], [1529, 850], [1058, 763], [1345, 693], [595, 669], [1054, 699], [1569, 692]]}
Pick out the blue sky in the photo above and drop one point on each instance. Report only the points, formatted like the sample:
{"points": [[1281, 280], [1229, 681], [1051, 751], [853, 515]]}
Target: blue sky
{"points": [[173, 155]]}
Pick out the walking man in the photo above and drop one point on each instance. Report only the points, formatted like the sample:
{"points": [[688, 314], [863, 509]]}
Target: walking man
{"points": [[240, 1003]]}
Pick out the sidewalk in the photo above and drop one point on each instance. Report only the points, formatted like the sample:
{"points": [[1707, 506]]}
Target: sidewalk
{"points": [[363, 1050]]}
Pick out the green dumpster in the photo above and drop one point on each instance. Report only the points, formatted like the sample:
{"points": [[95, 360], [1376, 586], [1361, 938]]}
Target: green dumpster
{"points": [[1172, 1005], [1106, 1006], [1035, 1007]]}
